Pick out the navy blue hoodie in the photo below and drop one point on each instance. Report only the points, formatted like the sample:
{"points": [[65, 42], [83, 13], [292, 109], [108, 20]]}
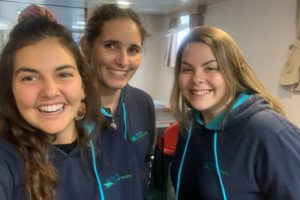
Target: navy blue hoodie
{"points": [[77, 180], [135, 120], [258, 154], [123, 164]]}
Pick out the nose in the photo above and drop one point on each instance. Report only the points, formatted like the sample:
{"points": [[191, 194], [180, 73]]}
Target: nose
{"points": [[49, 89], [198, 76], [123, 58]]}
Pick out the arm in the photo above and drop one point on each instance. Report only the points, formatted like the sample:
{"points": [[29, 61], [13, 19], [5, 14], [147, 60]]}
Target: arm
{"points": [[149, 156], [6, 183], [11, 177], [278, 169]]}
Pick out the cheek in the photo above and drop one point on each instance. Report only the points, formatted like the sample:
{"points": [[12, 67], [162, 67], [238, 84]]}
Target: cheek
{"points": [[25, 98], [100, 70], [136, 62], [220, 83], [99, 56], [75, 91], [20, 92], [182, 81]]}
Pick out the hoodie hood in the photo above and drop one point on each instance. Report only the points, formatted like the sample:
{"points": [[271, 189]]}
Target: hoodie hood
{"points": [[245, 111]]}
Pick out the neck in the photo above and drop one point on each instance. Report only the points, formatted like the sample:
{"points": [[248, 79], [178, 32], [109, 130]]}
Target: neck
{"points": [[67, 136], [208, 116], [211, 113], [110, 98]]}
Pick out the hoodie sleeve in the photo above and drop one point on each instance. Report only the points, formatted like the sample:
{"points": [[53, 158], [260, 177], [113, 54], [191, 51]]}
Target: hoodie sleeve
{"points": [[150, 148], [10, 173], [278, 167], [6, 183]]}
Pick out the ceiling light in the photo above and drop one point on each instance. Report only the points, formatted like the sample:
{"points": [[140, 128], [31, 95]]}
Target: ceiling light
{"points": [[124, 3], [78, 27], [80, 22]]}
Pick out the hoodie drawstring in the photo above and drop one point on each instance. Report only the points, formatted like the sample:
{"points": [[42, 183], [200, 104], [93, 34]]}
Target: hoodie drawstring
{"points": [[182, 160], [97, 175], [215, 125], [215, 145]]}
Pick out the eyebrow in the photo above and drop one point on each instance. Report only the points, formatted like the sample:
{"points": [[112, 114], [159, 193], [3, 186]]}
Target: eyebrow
{"points": [[66, 67], [111, 41], [206, 63], [118, 42], [31, 70], [25, 69]]}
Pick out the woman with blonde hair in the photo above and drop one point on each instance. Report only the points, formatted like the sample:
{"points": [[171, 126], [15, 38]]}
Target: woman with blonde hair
{"points": [[235, 141]]}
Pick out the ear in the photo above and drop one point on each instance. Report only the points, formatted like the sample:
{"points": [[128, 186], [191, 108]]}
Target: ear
{"points": [[85, 46], [82, 93]]}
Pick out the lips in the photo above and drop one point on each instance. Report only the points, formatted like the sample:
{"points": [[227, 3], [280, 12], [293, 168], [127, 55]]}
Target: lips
{"points": [[200, 92], [51, 108], [117, 72]]}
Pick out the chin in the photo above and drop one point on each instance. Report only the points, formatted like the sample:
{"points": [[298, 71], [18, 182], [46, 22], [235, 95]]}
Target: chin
{"points": [[201, 108], [118, 85], [51, 130]]}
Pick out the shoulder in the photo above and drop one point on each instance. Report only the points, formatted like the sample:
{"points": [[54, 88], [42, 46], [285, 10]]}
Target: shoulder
{"points": [[132, 92], [10, 159], [256, 113], [11, 169], [271, 121], [138, 99], [271, 132], [276, 141], [8, 151], [260, 121]]}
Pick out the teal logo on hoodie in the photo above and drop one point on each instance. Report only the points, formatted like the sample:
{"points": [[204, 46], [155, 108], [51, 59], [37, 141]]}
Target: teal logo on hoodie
{"points": [[115, 179], [138, 136]]}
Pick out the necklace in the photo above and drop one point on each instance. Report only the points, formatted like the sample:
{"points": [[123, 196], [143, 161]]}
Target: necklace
{"points": [[107, 113]]}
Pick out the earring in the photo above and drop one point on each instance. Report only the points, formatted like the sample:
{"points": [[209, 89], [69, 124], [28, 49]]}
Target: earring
{"points": [[81, 112]]}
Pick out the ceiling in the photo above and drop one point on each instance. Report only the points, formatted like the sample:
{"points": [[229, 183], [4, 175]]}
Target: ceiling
{"points": [[71, 12], [142, 6]]}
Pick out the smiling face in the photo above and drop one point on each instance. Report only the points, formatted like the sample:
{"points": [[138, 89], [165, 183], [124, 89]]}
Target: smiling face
{"points": [[200, 80], [48, 88], [116, 53]]}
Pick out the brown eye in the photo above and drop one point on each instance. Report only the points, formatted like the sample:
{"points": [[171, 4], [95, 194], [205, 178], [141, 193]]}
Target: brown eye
{"points": [[28, 78], [134, 50], [211, 68], [65, 74], [109, 46], [185, 69]]}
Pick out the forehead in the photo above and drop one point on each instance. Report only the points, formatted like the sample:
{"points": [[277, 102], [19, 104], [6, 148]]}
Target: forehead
{"points": [[44, 54], [197, 52], [122, 30]]}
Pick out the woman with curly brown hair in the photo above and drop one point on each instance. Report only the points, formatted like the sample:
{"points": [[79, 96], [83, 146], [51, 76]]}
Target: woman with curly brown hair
{"points": [[50, 120]]}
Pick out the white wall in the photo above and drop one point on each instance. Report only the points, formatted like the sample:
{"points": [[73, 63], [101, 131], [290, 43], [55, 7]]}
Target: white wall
{"points": [[264, 30], [152, 76]]}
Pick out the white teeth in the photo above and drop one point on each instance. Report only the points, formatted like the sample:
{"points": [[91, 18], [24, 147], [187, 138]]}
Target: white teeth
{"points": [[118, 72], [201, 92], [52, 108]]}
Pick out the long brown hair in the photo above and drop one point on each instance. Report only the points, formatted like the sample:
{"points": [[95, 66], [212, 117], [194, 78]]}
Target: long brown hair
{"points": [[108, 12], [238, 75], [40, 176]]}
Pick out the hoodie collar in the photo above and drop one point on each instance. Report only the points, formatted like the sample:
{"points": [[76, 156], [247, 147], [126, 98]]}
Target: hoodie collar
{"points": [[217, 122]]}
